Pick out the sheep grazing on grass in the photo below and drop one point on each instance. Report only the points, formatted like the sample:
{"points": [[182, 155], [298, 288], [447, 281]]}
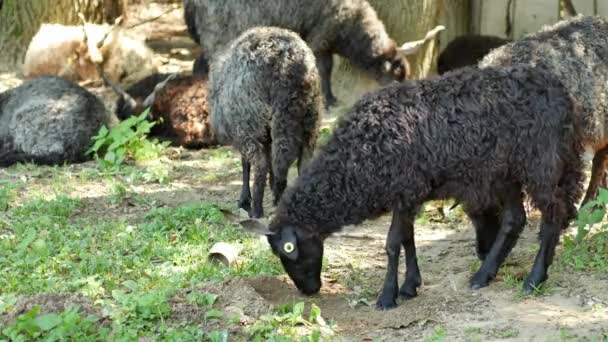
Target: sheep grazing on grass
{"points": [[467, 50], [266, 101], [48, 120], [73, 52], [479, 136], [349, 28], [576, 51], [178, 102]]}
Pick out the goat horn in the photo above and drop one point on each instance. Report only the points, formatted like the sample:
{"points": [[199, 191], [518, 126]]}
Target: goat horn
{"points": [[117, 22], [410, 48], [150, 99]]}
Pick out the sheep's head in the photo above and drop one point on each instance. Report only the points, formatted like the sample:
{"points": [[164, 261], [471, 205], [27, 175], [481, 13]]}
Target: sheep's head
{"points": [[97, 41], [393, 63], [301, 252]]}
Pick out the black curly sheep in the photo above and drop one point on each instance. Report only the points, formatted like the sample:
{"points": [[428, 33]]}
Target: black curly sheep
{"points": [[576, 51], [266, 101], [467, 50], [49, 120], [478, 136]]}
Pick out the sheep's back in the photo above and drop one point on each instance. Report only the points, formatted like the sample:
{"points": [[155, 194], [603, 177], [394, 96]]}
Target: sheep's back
{"points": [[217, 23], [448, 137], [576, 51], [266, 80]]}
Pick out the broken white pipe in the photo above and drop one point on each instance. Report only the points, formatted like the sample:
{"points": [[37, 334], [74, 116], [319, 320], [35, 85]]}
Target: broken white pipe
{"points": [[224, 253]]}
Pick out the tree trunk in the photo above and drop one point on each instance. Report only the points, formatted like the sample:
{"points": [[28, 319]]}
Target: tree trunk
{"points": [[21, 19], [407, 21]]}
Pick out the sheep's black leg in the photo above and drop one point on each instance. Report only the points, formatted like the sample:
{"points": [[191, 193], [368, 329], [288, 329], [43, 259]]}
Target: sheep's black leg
{"points": [[325, 64], [259, 182], [598, 171], [412, 272], [549, 236], [487, 225], [245, 198], [394, 239], [284, 154], [513, 220]]}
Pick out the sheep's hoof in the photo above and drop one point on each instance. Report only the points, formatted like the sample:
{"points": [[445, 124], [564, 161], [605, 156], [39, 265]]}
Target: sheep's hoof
{"points": [[531, 285], [408, 289], [385, 303], [480, 280], [408, 292], [245, 205]]}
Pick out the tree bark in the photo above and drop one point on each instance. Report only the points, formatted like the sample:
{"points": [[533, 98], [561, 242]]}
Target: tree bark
{"points": [[407, 21], [21, 19]]}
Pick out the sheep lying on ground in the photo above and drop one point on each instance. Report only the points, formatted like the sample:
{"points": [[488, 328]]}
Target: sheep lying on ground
{"points": [[479, 136], [179, 102], [266, 101], [467, 50], [48, 120], [576, 51], [350, 28], [73, 52]]}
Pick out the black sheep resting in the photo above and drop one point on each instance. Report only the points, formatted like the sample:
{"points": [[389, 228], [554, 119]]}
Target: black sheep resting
{"points": [[479, 136], [467, 50], [49, 120]]}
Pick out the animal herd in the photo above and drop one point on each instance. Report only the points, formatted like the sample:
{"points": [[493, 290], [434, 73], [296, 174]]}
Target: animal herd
{"points": [[503, 121]]}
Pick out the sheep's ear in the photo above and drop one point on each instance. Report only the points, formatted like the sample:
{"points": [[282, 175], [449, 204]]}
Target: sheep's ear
{"points": [[256, 226], [411, 48], [288, 243]]}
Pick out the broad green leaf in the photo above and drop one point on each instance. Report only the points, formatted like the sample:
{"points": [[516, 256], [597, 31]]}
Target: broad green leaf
{"points": [[48, 321]]}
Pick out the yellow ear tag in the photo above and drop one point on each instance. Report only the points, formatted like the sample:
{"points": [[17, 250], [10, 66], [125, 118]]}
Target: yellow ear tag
{"points": [[288, 247]]}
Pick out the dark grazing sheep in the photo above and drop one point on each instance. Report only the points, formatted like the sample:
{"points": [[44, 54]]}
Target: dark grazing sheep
{"points": [[479, 136], [48, 120], [576, 51], [266, 101], [349, 28], [467, 50], [178, 102]]}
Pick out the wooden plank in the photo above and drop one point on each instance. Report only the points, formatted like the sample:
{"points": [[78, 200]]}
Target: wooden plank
{"points": [[456, 17], [602, 8], [530, 16], [492, 17], [586, 7]]}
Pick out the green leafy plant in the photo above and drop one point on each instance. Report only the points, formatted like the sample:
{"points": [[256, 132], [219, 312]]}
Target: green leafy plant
{"points": [[588, 250], [126, 140], [7, 194], [142, 306], [285, 321], [202, 299], [67, 325]]}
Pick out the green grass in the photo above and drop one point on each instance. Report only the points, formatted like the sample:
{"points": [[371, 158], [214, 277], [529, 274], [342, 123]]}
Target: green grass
{"points": [[439, 335], [130, 269], [588, 249]]}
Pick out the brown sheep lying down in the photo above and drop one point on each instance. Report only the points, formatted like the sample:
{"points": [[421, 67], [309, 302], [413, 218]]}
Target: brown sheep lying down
{"points": [[179, 102]]}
